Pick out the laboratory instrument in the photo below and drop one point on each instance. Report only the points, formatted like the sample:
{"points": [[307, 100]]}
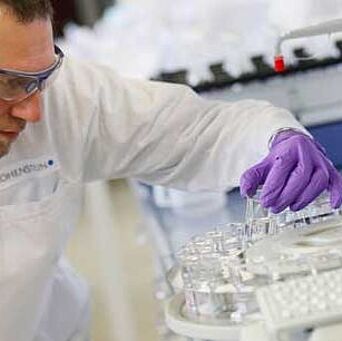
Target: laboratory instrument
{"points": [[327, 27], [218, 273], [302, 303]]}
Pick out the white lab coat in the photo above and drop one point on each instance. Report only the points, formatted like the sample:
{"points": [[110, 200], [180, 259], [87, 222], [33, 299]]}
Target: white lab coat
{"points": [[99, 126]]}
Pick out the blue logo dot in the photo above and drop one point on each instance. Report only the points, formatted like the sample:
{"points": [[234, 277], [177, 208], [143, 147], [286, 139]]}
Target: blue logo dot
{"points": [[50, 162]]}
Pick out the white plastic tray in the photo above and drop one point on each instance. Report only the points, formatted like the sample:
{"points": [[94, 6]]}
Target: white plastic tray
{"points": [[179, 324]]}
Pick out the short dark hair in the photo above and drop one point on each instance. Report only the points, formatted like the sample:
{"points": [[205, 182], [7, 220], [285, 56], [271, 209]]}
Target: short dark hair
{"points": [[27, 11]]}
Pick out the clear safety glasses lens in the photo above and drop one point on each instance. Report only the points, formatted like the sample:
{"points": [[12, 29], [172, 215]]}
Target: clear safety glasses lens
{"points": [[17, 88]]}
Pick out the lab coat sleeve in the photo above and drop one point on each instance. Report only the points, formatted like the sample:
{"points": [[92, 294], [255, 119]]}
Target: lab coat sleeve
{"points": [[166, 134]]}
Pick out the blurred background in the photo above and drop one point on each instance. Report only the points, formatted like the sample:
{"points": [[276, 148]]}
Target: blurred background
{"points": [[223, 49], [170, 35]]}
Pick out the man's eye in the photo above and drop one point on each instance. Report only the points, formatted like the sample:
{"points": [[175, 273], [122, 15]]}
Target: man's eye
{"points": [[17, 82]]}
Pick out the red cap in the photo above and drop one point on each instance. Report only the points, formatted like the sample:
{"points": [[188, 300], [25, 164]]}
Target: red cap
{"points": [[279, 64]]}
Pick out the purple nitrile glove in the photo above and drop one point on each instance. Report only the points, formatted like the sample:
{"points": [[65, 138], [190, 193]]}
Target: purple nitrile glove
{"points": [[294, 173]]}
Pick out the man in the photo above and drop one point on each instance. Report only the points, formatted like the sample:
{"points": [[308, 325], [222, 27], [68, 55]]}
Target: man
{"points": [[90, 124]]}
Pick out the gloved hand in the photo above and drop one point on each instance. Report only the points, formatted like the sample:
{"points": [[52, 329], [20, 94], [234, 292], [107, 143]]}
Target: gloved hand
{"points": [[294, 173]]}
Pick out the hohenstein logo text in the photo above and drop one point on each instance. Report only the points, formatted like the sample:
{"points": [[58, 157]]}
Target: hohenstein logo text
{"points": [[23, 170]]}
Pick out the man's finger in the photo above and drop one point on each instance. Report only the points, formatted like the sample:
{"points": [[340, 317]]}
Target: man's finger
{"points": [[253, 178]]}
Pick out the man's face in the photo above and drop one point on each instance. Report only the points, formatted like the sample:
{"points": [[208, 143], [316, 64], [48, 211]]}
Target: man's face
{"points": [[23, 47]]}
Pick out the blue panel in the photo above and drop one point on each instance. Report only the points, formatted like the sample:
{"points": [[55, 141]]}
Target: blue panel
{"points": [[330, 136]]}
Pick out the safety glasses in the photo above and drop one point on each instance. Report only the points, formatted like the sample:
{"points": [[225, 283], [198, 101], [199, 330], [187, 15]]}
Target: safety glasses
{"points": [[16, 86]]}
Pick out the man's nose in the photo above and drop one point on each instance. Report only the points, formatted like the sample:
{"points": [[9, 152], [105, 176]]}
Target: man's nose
{"points": [[29, 110]]}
